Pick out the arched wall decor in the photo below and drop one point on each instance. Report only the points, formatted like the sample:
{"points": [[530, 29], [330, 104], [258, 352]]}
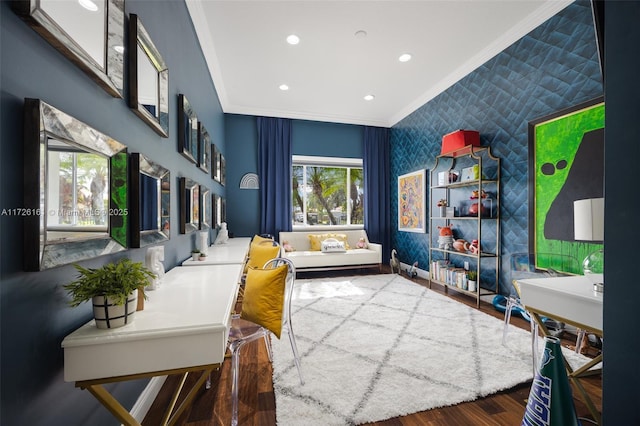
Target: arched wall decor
{"points": [[249, 181]]}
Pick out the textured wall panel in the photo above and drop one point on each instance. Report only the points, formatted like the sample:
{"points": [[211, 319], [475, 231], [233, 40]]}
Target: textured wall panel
{"points": [[552, 68]]}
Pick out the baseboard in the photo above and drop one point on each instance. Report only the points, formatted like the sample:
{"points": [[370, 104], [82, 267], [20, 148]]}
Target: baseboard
{"points": [[146, 398], [421, 272]]}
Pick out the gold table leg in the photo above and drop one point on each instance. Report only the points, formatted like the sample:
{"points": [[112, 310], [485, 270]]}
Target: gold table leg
{"points": [[112, 404], [170, 417]]}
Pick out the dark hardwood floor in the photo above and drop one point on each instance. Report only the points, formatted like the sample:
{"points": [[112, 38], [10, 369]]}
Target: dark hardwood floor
{"points": [[257, 401]]}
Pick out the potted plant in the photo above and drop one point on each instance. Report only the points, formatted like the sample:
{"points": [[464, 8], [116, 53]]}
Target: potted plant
{"points": [[113, 289], [203, 256], [195, 254], [472, 278]]}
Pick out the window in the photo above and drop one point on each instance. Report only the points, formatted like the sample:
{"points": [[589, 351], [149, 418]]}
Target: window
{"points": [[327, 191]]}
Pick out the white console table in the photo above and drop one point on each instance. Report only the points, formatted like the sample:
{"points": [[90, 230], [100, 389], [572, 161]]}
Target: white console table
{"points": [[571, 300], [183, 328], [231, 253]]}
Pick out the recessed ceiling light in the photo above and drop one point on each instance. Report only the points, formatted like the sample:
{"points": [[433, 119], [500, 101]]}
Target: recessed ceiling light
{"points": [[405, 57], [89, 5], [284, 87], [369, 97], [293, 39]]}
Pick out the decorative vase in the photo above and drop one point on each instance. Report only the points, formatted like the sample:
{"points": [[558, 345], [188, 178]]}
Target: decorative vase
{"points": [[203, 242], [153, 262], [443, 211], [109, 315]]}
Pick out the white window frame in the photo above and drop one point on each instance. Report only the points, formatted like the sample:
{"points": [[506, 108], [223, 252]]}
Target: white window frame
{"points": [[308, 160]]}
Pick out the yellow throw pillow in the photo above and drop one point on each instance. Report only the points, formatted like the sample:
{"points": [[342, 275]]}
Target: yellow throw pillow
{"points": [[263, 299], [261, 252], [257, 239], [314, 241]]}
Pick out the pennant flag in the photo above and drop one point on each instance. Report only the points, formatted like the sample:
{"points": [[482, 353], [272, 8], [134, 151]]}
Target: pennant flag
{"points": [[550, 401]]}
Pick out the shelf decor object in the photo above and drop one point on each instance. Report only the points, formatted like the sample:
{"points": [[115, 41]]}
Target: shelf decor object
{"points": [[412, 202], [566, 163], [471, 263]]}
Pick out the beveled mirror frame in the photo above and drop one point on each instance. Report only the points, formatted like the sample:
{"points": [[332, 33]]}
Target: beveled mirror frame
{"points": [[223, 171], [138, 35], [109, 77], [204, 148], [187, 213], [141, 165], [205, 208], [215, 163], [41, 123], [216, 213], [187, 130]]}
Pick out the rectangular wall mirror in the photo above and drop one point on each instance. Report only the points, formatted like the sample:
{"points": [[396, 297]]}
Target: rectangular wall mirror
{"points": [[187, 130], [204, 148], [148, 79], [189, 205], [215, 163], [150, 201], [75, 189], [205, 208], [217, 208], [90, 34], [223, 171]]}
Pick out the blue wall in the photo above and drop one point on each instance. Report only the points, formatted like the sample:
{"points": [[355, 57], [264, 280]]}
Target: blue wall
{"points": [[552, 68], [622, 150], [34, 312], [308, 138]]}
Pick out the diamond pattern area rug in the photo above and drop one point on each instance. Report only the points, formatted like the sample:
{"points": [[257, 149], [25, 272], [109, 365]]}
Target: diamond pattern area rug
{"points": [[380, 346]]}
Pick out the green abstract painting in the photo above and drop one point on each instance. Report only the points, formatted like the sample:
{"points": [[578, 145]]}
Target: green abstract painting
{"points": [[566, 163]]}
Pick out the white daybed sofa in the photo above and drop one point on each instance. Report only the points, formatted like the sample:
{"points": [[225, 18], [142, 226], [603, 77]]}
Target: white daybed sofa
{"points": [[306, 259]]}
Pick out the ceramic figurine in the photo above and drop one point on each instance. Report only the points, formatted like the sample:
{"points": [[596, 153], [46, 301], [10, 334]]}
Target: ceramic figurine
{"points": [[223, 235]]}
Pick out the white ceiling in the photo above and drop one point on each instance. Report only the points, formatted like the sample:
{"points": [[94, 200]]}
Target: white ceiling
{"points": [[331, 69]]}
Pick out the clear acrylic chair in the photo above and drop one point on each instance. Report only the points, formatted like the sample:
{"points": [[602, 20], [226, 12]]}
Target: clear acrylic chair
{"points": [[243, 332], [523, 265]]}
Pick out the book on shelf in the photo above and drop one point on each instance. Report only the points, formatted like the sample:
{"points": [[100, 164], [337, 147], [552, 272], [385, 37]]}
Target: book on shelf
{"points": [[443, 271]]}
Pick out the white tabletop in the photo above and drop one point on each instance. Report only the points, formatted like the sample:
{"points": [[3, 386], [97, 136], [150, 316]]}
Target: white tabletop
{"points": [[571, 298], [184, 323], [233, 252]]}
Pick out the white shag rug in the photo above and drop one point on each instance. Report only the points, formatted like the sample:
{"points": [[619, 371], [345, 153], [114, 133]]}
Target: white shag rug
{"points": [[380, 346]]}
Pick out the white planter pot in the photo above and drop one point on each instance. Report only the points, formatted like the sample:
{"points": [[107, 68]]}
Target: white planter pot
{"points": [[472, 286], [195, 256], [109, 315]]}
